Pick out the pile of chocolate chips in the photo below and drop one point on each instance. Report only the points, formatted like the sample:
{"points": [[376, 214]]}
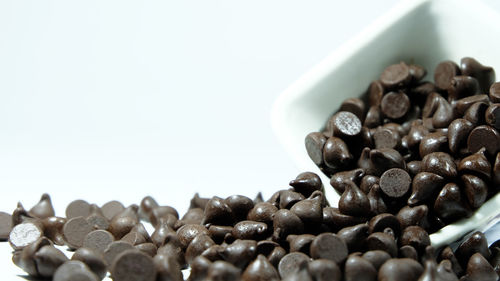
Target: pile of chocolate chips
{"points": [[421, 156], [294, 235], [415, 146]]}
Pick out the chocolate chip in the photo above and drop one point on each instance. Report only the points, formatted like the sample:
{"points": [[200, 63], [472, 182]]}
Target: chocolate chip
{"points": [[147, 205], [47, 259], [74, 270], [387, 158], [382, 221], [286, 222], [458, 131], [447, 254], [395, 182], [382, 241], [188, 232], [478, 268], [198, 202], [163, 212], [167, 268], [218, 232], [262, 212], [353, 201], [78, 208], [306, 183], [300, 243], [329, 246], [377, 203], [400, 269], [444, 73], [495, 92], [476, 190], [5, 226], [477, 164], [113, 249], [324, 270], [240, 206], [344, 124], [133, 265], [96, 218], [476, 113], [484, 136], [334, 219], [395, 105], [354, 236], [358, 269], [417, 72], [463, 104], [492, 115], [475, 243], [25, 257], [92, 259], [111, 208], [43, 209], [396, 75], [367, 182], [290, 262], [376, 257], [287, 198], [147, 248], [336, 153], [250, 230], [119, 226], [416, 237], [240, 253], [217, 212], [373, 117], [375, 93], [199, 244], [355, 106], [485, 75], [463, 86], [310, 210], [24, 234], [163, 231], [440, 163], [97, 240], [260, 269], [433, 142], [424, 185], [339, 180]]}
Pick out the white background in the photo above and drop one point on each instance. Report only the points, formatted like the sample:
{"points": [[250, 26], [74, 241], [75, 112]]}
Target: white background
{"points": [[103, 100]]}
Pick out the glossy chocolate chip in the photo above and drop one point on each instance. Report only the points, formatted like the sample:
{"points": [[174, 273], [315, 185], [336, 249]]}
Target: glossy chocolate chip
{"points": [[458, 131], [146, 206], [484, 136], [218, 212], [476, 190], [449, 204], [433, 142], [492, 116], [199, 244], [240, 253], [417, 72], [485, 75], [400, 269], [240, 205], [375, 93], [334, 219], [476, 113], [463, 86], [382, 221], [387, 158], [286, 222], [329, 246], [396, 75], [167, 268], [306, 183], [477, 164], [447, 254], [416, 237], [188, 232], [336, 153], [339, 180], [496, 170], [353, 201], [395, 105], [373, 117], [367, 182], [198, 202], [354, 236], [376, 257], [260, 270], [424, 185], [262, 212], [310, 210], [377, 203], [444, 73], [250, 230], [287, 198], [475, 243], [359, 269], [478, 268], [395, 182], [440, 163]]}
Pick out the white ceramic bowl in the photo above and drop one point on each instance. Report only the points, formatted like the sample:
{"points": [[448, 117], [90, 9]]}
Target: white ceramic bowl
{"points": [[422, 31]]}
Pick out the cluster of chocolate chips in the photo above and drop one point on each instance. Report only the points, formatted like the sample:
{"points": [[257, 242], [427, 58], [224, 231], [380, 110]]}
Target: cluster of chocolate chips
{"points": [[294, 235], [414, 145]]}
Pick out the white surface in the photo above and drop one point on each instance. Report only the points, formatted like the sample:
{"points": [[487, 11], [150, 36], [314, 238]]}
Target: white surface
{"points": [[422, 31], [105, 100]]}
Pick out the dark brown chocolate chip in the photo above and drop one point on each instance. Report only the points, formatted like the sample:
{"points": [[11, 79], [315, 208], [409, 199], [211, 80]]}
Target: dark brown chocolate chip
{"points": [[188, 232], [476, 190], [133, 265], [74, 270], [413, 216], [416, 237], [287, 198], [382, 241], [240, 206], [387, 158], [218, 212], [162, 232], [113, 249], [163, 213], [492, 115], [147, 205], [477, 164], [334, 219], [120, 226], [344, 124], [198, 202], [440, 163], [463, 104], [433, 142], [458, 131], [353, 201], [290, 262], [221, 270], [484, 136], [310, 210], [300, 243], [358, 269], [449, 204], [475, 243], [259, 270], [396, 75], [447, 254], [240, 253], [463, 86], [355, 106], [218, 232], [336, 153], [476, 113], [324, 270], [47, 259], [495, 92], [24, 234], [395, 182], [354, 236], [167, 268], [414, 167], [262, 212], [367, 182], [147, 248], [286, 222], [78, 208], [417, 72], [376, 257], [373, 117], [485, 75], [314, 145], [424, 185], [400, 269], [197, 246], [92, 259], [111, 208], [375, 93], [250, 230], [377, 203], [478, 268], [329, 246], [306, 183], [5, 226], [339, 180], [444, 73], [301, 273], [395, 105], [382, 221], [385, 138]]}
